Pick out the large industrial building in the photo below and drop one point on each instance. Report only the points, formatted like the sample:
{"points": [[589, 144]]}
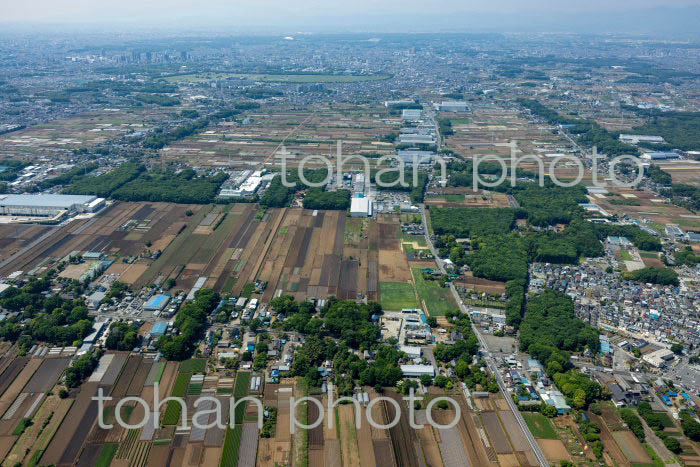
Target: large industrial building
{"points": [[659, 358], [361, 207], [43, 205], [636, 139], [427, 140], [157, 303], [416, 371], [412, 115], [453, 106], [409, 156], [660, 156]]}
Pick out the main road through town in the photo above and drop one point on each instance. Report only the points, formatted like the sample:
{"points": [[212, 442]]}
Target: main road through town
{"points": [[488, 357]]}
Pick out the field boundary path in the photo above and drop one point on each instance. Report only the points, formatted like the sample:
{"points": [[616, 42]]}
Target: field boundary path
{"points": [[666, 456]]}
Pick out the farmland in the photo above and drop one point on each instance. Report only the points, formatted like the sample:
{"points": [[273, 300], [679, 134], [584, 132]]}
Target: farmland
{"points": [[397, 296], [312, 131], [122, 230], [84, 130], [435, 299], [540, 426]]}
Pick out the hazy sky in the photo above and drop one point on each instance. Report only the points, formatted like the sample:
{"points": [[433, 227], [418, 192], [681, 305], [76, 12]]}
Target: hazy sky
{"points": [[354, 14]]}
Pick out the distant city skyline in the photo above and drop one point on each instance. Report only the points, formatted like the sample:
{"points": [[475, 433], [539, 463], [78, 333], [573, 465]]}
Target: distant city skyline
{"points": [[675, 17]]}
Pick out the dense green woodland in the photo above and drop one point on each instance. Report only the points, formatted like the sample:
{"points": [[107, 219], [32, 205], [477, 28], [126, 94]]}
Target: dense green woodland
{"points": [[43, 317], [461, 173], [680, 129], [549, 332], [499, 258], [687, 257], [157, 99], [653, 275], [687, 196], [123, 336], [278, 196], [472, 222], [166, 186], [540, 205], [333, 200], [131, 182], [190, 323], [105, 184], [550, 204], [550, 320], [82, 368], [691, 428], [659, 176]]}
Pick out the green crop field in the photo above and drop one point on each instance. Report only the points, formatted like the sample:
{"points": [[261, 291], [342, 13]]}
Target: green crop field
{"points": [[195, 365], [240, 389], [160, 372], [232, 444], [625, 255], [665, 419], [106, 455], [172, 411], [248, 290], [438, 300], [540, 426], [419, 239], [396, 296], [21, 426]]}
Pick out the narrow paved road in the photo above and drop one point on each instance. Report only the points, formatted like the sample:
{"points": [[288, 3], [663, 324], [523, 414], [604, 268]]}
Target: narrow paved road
{"points": [[488, 357]]}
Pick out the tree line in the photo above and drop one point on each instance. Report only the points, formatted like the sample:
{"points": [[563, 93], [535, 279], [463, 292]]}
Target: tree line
{"points": [[68, 177], [42, 316], [332, 200], [189, 326], [653, 275], [105, 184], [340, 327], [160, 140], [278, 196], [549, 331], [161, 185], [589, 132], [472, 222]]}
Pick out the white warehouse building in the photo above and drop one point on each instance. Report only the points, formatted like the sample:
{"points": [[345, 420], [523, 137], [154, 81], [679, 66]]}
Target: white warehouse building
{"points": [[416, 371], [360, 207], [453, 106], [47, 205]]}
